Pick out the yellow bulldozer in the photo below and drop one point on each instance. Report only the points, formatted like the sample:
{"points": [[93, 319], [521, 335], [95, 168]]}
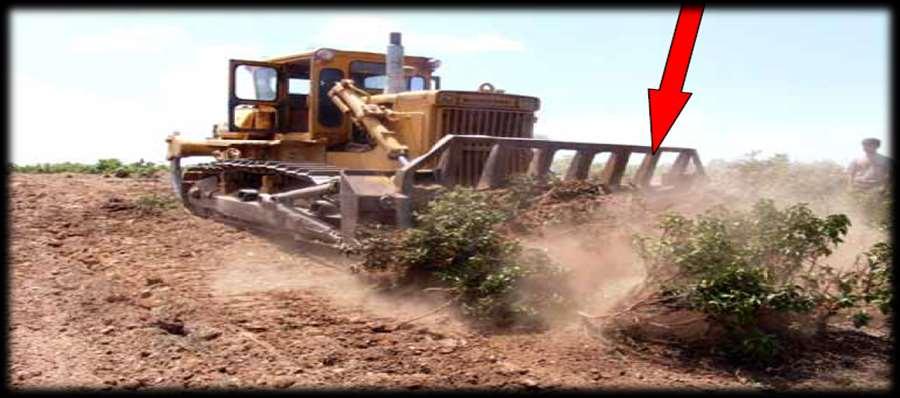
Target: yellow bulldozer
{"points": [[318, 142]]}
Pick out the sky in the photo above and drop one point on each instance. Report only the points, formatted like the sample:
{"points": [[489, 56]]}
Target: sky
{"points": [[808, 83]]}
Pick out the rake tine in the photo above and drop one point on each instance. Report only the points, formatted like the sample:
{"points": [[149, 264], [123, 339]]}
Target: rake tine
{"points": [[645, 171], [580, 166], [540, 163], [494, 172], [615, 168]]}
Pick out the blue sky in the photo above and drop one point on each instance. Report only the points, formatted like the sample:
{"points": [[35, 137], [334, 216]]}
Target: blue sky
{"points": [[809, 83]]}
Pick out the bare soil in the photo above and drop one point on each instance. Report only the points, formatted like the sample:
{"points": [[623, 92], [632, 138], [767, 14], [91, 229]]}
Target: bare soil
{"points": [[105, 295]]}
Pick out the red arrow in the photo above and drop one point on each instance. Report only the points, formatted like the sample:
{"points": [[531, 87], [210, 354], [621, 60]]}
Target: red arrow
{"points": [[667, 102]]}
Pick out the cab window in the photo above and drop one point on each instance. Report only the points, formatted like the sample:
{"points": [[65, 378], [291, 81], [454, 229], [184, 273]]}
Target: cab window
{"points": [[298, 86], [255, 82], [415, 83], [369, 76]]}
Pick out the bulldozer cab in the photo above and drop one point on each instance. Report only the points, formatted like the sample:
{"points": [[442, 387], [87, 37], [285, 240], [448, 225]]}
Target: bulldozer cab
{"points": [[289, 95]]}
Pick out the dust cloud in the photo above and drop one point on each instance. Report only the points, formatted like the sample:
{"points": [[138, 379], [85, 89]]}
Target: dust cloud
{"points": [[259, 266], [606, 270]]}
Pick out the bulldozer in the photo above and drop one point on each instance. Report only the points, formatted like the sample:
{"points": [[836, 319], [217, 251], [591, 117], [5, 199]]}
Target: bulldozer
{"points": [[319, 142]]}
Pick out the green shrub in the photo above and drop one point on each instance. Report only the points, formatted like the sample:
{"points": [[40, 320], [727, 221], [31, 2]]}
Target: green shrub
{"points": [[871, 283], [456, 245], [823, 184], [739, 267], [521, 192], [876, 207], [155, 204], [779, 177], [103, 166]]}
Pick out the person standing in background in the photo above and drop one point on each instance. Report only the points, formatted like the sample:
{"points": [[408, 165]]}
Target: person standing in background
{"points": [[872, 170]]}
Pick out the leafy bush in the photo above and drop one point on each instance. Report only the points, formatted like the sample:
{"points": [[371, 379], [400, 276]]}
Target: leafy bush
{"points": [[521, 192], [870, 283], [103, 166], [155, 204], [456, 245], [738, 268], [823, 184], [876, 207], [777, 177]]}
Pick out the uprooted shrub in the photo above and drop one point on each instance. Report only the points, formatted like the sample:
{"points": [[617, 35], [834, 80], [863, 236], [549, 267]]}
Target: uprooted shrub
{"points": [[154, 204], [456, 246], [750, 278], [531, 204]]}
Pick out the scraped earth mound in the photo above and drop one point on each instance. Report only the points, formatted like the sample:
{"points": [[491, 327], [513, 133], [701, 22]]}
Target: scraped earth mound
{"points": [[109, 292]]}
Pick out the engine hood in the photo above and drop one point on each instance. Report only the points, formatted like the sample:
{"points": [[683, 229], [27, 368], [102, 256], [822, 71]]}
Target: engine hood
{"points": [[478, 99]]}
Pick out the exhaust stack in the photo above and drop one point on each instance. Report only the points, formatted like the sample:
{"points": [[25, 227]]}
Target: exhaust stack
{"points": [[396, 80]]}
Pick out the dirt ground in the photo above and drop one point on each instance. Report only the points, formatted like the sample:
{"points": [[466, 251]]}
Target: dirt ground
{"points": [[104, 295]]}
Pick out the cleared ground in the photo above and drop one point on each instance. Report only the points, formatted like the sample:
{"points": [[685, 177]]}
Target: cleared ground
{"points": [[106, 295]]}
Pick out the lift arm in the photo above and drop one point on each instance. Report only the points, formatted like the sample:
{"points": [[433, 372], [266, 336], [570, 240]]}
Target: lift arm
{"points": [[354, 102]]}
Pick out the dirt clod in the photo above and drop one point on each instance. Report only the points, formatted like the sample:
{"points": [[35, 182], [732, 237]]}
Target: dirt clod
{"points": [[380, 328], [171, 327], [282, 382]]}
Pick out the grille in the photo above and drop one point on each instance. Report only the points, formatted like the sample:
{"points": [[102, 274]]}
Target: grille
{"points": [[491, 122]]}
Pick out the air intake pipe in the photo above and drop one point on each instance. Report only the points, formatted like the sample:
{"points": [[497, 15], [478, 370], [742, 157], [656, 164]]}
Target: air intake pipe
{"points": [[396, 80]]}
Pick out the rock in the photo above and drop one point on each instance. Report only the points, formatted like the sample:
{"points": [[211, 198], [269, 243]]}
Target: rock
{"points": [[108, 330], [529, 383], [90, 261], [54, 243], [452, 343], [507, 369], [116, 204], [146, 293], [133, 384], [153, 280], [115, 298], [255, 328], [174, 327], [379, 328], [282, 382], [209, 333], [329, 360]]}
